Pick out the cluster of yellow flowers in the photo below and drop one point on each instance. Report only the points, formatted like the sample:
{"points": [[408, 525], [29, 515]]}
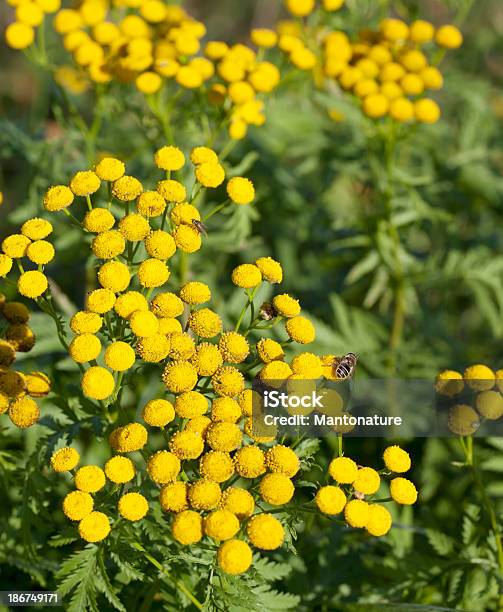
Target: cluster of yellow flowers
{"points": [[388, 69], [354, 483], [484, 387], [215, 474], [151, 43], [18, 390]]}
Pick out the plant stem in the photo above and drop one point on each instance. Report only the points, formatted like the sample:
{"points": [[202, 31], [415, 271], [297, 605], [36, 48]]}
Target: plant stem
{"points": [[251, 297], [467, 445]]}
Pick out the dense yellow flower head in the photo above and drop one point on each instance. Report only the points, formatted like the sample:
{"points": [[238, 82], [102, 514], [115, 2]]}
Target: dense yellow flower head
{"points": [[163, 467], [85, 183], [300, 8], [225, 409], [187, 238], [234, 557], [84, 348], [110, 169], [204, 494], [77, 505], [187, 527], [490, 404], [234, 347], [205, 323], [158, 412], [206, 359], [265, 532], [153, 273], [32, 284], [427, 111], [270, 269], [195, 293], [228, 381], [130, 302], [120, 469], [222, 436], [134, 227], [396, 459], [449, 36], [98, 220], [199, 424], [171, 190], [186, 444], [357, 513], [191, 404], [201, 155], [64, 459], [5, 265], [36, 229], [282, 459], [38, 384], [216, 465], [129, 438], [133, 506], [210, 174], [270, 350], [97, 383], [23, 412], [173, 497], [127, 188], [238, 501], [330, 499], [90, 478], [246, 276], [379, 522], [403, 491], [169, 158], [221, 525], [119, 356], [343, 470], [108, 244], [449, 383], [167, 305], [250, 462], [150, 204], [300, 330], [276, 489], [367, 481], [241, 190], [94, 527], [19, 35], [179, 376], [153, 349], [57, 198], [479, 377]]}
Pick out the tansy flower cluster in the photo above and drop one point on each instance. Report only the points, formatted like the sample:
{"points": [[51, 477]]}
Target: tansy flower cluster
{"points": [[475, 396], [29, 247], [356, 487], [196, 453], [391, 70], [18, 391], [155, 45], [165, 221]]}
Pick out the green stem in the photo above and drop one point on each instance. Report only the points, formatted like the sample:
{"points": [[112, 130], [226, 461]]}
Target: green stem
{"points": [[251, 297], [216, 209], [477, 477]]}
